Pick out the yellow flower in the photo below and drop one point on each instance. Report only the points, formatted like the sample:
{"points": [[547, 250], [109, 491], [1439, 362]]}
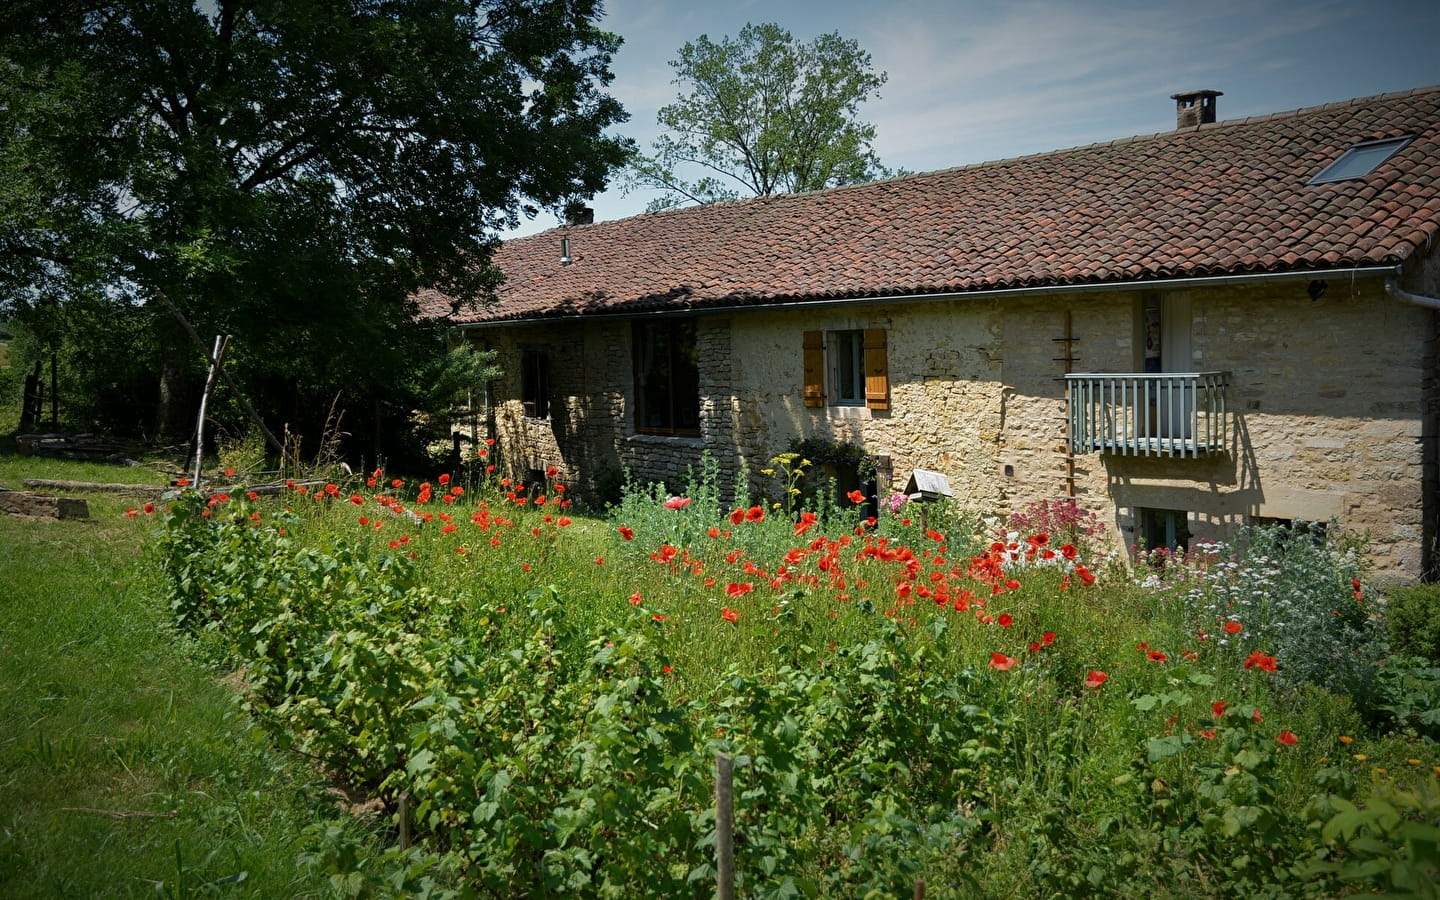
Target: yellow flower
{"points": [[1379, 770], [1346, 739], [1413, 762], [1360, 757]]}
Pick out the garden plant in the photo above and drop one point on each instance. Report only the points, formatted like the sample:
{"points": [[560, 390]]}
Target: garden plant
{"points": [[995, 709]]}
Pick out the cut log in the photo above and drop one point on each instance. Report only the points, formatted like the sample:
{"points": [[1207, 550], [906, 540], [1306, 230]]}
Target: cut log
{"points": [[144, 490], [21, 503]]}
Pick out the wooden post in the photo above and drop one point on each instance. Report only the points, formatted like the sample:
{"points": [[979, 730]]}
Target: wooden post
{"points": [[216, 359], [404, 820], [724, 827], [919, 889], [54, 393]]}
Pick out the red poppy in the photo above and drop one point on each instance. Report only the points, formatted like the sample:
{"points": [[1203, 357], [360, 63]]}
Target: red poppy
{"points": [[599, 560], [1217, 709], [807, 521], [1258, 660], [1206, 733], [1006, 620], [735, 589], [444, 479], [855, 497], [1047, 638], [131, 513], [357, 499], [1233, 627], [1094, 678], [737, 516], [666, 670], [729, 615], [149, 508], [755, 514], [1287, 738], [1156, 656], [636, 599], [1256, 716], [1001, 662], [713, 532], [626, 533], [563, 521]]}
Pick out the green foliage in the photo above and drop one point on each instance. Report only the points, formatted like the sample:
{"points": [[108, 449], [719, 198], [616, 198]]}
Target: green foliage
{"points": [[289, 174], [1296, 599], [765, 114], [899, 702], [1409, 694], [1413, 614]]}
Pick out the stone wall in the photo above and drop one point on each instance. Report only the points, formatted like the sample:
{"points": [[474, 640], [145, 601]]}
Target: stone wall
{"points": [[1330, 401]]}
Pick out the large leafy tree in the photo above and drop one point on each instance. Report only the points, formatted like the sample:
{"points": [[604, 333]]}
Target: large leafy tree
{"points": [[290, 172], [763, 114]]}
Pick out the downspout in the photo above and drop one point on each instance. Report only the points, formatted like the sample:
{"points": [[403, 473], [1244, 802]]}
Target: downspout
{"points": [[1392, 287], [1429, 479]]}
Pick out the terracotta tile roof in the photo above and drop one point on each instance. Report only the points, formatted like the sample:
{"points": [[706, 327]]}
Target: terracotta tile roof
{"points": [[1222, 198]]}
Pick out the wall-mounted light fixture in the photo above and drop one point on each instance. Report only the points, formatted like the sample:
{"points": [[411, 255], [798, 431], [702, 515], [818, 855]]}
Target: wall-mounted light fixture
{"points": [[565, 251], [1316, 289]]}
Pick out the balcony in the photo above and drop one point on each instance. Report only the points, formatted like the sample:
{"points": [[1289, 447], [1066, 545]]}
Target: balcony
{"points": [[1182, 414]]}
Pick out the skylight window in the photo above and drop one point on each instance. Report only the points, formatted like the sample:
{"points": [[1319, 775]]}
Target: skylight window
{"points": [[1361, 159]]}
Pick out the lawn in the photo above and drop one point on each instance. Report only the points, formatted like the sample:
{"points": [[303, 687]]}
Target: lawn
{"points": [[126, 765]]}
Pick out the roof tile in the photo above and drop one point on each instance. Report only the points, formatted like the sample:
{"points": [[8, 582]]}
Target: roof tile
{"points": [[1228, 197]]}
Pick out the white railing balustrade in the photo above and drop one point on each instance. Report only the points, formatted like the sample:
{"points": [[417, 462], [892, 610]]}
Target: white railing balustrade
{"points": [[1158, 414]]}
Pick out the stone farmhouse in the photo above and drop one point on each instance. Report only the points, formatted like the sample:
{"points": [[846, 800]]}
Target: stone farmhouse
{"points": [[1232, 322]]}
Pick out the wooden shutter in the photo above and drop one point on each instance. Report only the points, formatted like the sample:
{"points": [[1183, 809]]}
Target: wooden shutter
{"points": [[877, 370], [814, 369]]}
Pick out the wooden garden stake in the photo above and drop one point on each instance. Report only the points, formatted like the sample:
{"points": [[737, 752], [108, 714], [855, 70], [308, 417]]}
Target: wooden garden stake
{"points": [[919, 889], [404, 820], [724, 827]]}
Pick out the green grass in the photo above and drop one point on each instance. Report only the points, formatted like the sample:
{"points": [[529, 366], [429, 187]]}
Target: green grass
{"points": [[126, 767]]}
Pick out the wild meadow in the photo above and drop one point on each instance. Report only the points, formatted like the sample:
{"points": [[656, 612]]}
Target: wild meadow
{"points": [[997, 708]]}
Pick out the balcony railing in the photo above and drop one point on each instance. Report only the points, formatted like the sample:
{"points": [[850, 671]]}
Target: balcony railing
{"points": [[1169, 414]]}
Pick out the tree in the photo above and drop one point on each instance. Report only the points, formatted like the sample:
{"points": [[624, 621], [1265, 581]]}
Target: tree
{"points": [[765, 114], [290, 172]]}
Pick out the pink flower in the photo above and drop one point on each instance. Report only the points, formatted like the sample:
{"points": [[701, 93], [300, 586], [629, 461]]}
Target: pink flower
{"points": [[677, 503]]}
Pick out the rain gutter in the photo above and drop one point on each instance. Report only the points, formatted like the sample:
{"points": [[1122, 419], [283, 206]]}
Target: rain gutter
{"points": [[1159, 284]]}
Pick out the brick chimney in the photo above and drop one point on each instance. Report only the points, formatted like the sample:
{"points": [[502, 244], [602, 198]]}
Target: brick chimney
{"points": [[1194, 108]]}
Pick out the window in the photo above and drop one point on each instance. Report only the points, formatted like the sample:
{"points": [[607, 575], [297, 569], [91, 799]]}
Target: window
{"points": [[1360, 160], [1168, 528], [850, 368], [847, 368], [667, 377], [535, 383]]}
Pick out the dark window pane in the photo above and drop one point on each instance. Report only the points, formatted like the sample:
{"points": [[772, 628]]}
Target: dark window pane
{"points": [[667, 377]]}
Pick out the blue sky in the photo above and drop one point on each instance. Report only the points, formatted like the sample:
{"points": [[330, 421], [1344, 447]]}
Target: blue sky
{"points": [[975, 81]]}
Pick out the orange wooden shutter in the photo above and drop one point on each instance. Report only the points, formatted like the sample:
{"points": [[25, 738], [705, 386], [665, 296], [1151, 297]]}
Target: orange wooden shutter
{"points": [[877, 370], [814, 369]]}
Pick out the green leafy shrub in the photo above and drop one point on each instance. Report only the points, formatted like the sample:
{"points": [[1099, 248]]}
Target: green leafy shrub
{"points": [[1413, 616], [1409, 694]]}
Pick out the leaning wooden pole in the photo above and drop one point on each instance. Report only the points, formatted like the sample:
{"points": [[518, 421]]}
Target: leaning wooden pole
{"points": [[724, 827], [244, 403], [217, 359]]}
